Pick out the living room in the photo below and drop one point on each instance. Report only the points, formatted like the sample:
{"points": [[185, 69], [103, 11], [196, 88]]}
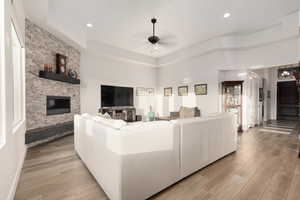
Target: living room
{"points": [[194, 100]]}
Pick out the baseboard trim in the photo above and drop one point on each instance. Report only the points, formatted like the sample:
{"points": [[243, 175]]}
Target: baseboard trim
{"points": [[13, 189]]}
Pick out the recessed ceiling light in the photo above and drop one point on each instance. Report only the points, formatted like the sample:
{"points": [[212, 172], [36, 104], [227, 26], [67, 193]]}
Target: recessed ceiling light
{"points": [[89, 25], [226, 15]]}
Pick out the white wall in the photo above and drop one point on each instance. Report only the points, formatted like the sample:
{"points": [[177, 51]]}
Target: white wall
{"points": [[201, 63], [204, 69], [199, 70], [97, 69], [12, 151], [271, 78]]}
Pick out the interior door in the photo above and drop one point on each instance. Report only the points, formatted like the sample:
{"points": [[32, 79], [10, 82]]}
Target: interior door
{"points": [[287, 101]]}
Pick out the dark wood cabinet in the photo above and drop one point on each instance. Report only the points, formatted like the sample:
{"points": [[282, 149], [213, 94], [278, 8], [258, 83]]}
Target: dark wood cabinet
{"points": [[232, 97]]}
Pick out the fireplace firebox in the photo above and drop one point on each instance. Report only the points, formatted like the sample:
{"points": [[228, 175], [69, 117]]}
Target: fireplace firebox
{"points": [[58, 105]]}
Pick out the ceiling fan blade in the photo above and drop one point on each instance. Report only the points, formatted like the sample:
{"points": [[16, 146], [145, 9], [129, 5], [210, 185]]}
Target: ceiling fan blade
{"points": [[141, 34], [165, 43], [168, 37]]}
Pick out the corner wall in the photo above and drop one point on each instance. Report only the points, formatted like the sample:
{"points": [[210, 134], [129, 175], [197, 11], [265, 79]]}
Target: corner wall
{"points": [[97, 69]]}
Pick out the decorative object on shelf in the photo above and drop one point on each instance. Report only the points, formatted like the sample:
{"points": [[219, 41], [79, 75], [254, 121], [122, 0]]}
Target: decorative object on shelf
{"points": [[168, 92], [61, 64], [151, 114], [140, 91], [150, 91], [183, 90], [48, 68], [201, 89], [72, 74]]}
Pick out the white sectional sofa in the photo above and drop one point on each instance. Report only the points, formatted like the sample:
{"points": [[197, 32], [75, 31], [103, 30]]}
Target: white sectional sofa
{"points": [[137, 160], [130, 163], [205, 140]]}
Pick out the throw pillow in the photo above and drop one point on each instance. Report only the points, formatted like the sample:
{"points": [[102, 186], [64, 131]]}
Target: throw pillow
{"points": [[186, 112]]}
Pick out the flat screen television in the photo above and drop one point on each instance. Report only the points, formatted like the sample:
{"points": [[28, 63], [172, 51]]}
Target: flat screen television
{"points": [[116, 96]]}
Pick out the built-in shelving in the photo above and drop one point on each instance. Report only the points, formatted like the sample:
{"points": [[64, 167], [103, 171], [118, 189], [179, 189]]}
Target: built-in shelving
{"points": [[58, 77]]}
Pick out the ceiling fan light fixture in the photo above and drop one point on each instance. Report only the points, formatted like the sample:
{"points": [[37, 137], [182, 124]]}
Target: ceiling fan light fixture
{"points": [[155, 46], [89, 25], [227, 15], [153, 39]]}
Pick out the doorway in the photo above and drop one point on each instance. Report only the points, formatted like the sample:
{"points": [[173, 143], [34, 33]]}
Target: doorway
{"points": [[287, 101]]}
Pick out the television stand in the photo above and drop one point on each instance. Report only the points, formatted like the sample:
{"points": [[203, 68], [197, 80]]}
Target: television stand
{"points": [[126, 113]]}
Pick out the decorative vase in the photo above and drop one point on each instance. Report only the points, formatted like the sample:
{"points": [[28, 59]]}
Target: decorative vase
{"points": [[151, 115]]}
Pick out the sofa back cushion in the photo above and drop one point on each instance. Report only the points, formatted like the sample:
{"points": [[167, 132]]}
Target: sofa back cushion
{"points": [[186, 112], [113, 123]]}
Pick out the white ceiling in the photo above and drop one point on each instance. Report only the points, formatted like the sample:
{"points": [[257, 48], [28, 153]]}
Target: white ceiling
{"points": [[126, 23]]}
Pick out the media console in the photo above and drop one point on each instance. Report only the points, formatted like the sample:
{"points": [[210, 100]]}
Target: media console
{"points": [[126, 113]]}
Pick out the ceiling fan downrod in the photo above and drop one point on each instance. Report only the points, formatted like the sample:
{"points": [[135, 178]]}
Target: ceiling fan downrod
{"points": [[153, 39]]}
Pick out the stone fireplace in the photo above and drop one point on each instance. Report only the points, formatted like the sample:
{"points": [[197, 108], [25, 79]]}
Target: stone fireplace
{"points": [[50, 105]]}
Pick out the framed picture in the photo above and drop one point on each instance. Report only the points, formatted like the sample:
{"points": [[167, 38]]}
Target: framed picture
{"points": [[140, 91], [150, 91], [168, 92], [183, 90], [269, 94], [261, 94], [201, 89], [61, 64]]}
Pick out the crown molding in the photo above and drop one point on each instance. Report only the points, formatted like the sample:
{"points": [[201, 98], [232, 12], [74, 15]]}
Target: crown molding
{"points": [[116, 53], [287, 30]]}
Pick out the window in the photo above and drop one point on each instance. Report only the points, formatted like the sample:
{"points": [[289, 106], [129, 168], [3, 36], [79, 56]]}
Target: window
{"points": [[2, 71], [18, 77]]}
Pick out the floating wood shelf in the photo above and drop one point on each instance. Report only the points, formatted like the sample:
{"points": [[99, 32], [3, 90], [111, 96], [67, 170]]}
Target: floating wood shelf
{"points": [[58, 77]]}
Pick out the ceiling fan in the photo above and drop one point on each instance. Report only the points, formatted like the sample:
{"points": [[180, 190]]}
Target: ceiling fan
{"points": [[155, 40]]}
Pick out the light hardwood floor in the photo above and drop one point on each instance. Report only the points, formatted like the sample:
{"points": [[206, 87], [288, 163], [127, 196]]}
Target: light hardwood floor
{"points": [[265, 167]]}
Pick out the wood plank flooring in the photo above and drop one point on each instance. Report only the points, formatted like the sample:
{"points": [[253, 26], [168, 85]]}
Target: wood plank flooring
{"points": [[266, 167]]}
